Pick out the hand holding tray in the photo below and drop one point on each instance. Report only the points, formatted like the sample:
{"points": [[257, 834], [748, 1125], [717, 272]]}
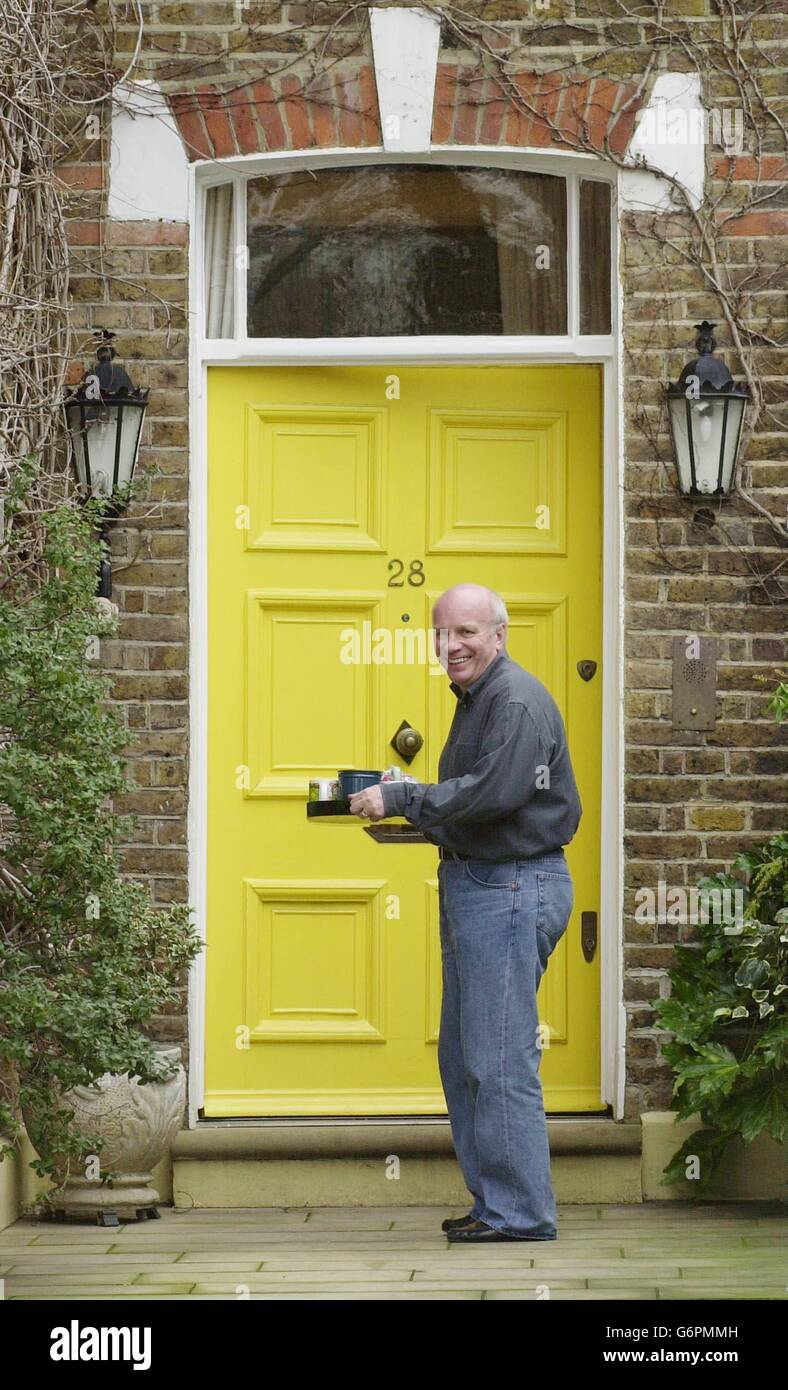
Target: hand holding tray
{"points": [[392, 832]]}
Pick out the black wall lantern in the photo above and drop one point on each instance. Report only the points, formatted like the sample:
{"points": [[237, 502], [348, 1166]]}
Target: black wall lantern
{"points": [[706, 411], [104, 417]]}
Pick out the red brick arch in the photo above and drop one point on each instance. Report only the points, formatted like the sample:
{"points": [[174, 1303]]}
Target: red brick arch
{"points": [[342, 110]]}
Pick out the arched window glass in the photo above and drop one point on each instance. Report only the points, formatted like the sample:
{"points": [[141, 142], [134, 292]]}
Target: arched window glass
{"points": [[391, 250]]}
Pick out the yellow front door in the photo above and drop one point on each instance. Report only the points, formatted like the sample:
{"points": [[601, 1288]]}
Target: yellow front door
{"points": [[342, 500]]}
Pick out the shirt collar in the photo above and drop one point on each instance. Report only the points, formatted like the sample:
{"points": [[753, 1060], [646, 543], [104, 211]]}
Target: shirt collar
{"points": [[464, 697]]}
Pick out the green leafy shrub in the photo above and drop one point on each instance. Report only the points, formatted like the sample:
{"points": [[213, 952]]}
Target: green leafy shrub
{"points": [[85, 959], [729, 1018], [778, 705]]}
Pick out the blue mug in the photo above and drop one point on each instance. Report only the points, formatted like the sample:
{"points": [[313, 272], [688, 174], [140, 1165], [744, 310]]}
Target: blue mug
{"points": [[351, 781]]}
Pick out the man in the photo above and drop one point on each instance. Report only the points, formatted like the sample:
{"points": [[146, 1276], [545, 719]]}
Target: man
{"points": [[504, 806]]}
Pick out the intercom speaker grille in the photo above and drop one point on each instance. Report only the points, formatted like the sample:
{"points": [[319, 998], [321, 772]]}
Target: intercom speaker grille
{"points": [[695, 684]]}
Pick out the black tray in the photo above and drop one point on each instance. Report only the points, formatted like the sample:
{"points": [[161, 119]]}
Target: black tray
{"points": [[340, 807], [388, 833]]}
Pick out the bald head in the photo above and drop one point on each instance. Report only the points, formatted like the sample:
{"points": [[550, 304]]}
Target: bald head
{"points": [[470, 624], [488, 605]]}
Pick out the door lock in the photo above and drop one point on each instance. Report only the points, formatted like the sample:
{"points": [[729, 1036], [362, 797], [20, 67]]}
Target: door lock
{"points": [[407, 741], [588, 934]]}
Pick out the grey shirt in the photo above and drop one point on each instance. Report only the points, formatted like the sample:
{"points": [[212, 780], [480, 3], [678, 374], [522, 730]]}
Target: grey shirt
{"points": [[506, 789]]}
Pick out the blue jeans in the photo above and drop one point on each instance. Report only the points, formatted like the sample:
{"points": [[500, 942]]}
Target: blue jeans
{"points": [[499, 923]]}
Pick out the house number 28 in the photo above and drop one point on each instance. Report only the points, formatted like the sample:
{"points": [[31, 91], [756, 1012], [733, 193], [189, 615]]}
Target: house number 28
{"points": [[415, 575]]}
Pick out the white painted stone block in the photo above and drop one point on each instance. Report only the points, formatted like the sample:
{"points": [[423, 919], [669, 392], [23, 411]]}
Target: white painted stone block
{"points": [[405, 46], [672, 134], [148, 164]]}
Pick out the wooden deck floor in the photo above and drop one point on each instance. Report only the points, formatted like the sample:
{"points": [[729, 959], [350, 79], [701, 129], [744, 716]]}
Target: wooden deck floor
{"points": [[655, 1251]]}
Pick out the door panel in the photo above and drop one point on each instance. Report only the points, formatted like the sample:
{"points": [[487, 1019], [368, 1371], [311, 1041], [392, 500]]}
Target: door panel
{"points": [[344, 500]]}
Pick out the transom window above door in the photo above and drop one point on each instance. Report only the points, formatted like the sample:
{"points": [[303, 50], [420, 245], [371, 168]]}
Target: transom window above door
{"points": [[406, 250]]}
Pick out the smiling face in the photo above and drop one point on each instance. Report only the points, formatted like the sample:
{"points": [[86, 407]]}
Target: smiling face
{"points": [[465, 639]]}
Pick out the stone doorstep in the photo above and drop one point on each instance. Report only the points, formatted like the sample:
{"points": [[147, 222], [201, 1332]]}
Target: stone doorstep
{"points": [[342, 1138], [339, 1162], [376, 1181]]}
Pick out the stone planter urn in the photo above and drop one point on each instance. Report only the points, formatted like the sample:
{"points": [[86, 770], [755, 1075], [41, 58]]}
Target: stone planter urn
{"points": [[138, 1122]]}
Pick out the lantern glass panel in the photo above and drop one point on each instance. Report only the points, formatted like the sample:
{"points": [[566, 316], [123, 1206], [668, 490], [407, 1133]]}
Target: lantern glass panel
{"points": [[715, 422], [130, 428], [105, 438], [78, 441], [730, 446]]}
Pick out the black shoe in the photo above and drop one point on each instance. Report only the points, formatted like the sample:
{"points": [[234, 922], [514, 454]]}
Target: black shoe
{"points": [[453, 1223], [480, 1233]]}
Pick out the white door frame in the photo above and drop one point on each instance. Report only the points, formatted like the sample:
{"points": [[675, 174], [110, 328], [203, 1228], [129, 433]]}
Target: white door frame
{"points": [[257, 352]]}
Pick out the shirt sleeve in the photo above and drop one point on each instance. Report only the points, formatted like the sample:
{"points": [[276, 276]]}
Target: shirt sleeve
{"points": [[502, 779]]}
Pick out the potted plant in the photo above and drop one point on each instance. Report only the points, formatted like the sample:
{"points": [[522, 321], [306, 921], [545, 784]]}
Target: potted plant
{"points": [[135, 1123], [85, 959]]}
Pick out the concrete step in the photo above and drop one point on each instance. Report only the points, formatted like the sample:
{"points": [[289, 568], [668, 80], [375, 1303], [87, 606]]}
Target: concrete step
{"points": [[382, 1162]]}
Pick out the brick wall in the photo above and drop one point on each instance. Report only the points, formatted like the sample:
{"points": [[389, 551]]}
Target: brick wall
{"points": [[234, 76], [695, 800], [132, 277]]}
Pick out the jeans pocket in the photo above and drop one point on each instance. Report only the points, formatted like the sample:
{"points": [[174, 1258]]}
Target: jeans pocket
{"points": [[485, 873], [556, 900]]}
